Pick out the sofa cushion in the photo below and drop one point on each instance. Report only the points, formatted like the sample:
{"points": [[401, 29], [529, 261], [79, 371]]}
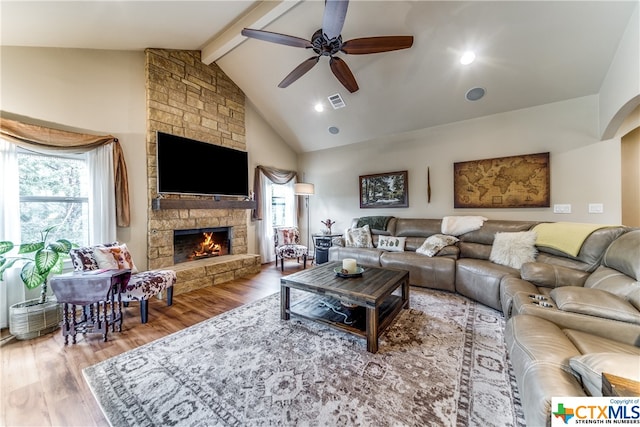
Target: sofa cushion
{"points": [[591, 253], [514, 249], [594, 302], [590, 367], [615, 282], [417, 227], [368, 257], [551, 275], [114, 257], [435, 272], [358, 237], [83, 258], [391, 243], [287, 236], [146, 284], [540, 354], [623, 254], [433, 244]]}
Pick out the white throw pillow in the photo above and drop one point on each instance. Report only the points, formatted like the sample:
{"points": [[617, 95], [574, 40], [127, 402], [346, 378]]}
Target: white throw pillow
{"points": [[358, 237], [114, 258], [514, 249], [591, 366], [392, 244], [433, 244]]}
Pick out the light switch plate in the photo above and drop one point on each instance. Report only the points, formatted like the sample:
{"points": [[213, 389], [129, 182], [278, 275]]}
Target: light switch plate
{"points": [[562, 208], [596, 208]]}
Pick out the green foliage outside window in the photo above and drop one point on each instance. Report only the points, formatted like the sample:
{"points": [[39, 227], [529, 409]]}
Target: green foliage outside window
{"points": [[53, 190]]}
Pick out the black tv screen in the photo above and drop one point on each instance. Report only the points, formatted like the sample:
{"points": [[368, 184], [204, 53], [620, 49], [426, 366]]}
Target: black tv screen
{"points": [[187, 166]]}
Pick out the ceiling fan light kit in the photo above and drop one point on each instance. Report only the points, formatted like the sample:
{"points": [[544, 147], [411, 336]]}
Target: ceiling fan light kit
{"points": [[327, 41]]}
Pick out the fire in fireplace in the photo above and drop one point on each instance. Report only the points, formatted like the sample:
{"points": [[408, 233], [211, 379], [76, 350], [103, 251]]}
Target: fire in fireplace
{"points": [[207, 247], [194, 244]]}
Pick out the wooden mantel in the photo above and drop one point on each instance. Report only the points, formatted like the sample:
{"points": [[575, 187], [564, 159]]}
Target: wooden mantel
{"points": [[161, 203]]}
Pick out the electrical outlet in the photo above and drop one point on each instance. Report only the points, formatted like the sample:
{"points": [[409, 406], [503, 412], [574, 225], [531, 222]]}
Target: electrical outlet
{"points": [[596, 208], [562, 208]]}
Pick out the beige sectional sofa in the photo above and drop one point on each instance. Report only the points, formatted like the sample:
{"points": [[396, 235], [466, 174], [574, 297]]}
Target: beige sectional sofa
{"points": [[465, 267], [597, 292]]}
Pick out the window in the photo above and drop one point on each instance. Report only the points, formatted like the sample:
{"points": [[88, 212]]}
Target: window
{"points": [[280, 212], [53, 191]]}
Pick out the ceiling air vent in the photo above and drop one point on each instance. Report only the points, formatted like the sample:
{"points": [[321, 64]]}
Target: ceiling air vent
{"points": [[337, 101]]}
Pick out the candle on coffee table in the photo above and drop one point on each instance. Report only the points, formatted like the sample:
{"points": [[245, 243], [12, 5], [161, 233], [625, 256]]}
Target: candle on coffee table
{"points": [[349, 264]]}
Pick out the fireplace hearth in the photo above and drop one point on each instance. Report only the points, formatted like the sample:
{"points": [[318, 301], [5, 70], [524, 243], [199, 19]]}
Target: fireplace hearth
{"points": [[199, 243]]}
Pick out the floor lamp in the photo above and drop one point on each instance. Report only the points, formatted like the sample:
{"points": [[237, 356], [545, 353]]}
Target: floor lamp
{"points": [[306, 190]]}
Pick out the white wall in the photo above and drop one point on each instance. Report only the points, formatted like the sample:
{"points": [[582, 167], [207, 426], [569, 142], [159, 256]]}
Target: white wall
{"points": [[583, 169], [265, 148], [620, 90], [103, 92], [92, 91]]}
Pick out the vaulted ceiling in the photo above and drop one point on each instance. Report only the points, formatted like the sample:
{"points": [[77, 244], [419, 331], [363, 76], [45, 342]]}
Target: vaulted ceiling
{"points": [[528, 53]]}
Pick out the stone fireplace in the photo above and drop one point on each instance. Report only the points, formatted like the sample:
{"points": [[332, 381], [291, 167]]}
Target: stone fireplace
{"points": [[200, 243], [186, 97]]}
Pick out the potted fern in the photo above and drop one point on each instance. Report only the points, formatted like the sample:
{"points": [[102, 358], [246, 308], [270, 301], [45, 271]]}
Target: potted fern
{"points": [[35, 317]]}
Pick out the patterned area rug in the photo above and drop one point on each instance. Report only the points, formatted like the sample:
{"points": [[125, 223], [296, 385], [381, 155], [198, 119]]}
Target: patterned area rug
{"points": [[442, 363]]}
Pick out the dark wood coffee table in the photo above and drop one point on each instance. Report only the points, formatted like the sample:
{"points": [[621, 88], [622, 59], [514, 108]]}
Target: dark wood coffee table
{"points": [[381, 292]]}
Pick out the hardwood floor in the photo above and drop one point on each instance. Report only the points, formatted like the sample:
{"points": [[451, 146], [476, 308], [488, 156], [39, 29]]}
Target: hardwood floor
{"points": [[41, 380]]}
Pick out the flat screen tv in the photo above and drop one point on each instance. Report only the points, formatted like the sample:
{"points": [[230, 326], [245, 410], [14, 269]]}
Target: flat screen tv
{"points": [[187, 166]]}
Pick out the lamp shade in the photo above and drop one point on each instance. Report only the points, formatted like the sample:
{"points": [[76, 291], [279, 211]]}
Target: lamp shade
{"points": [[304, 189]]}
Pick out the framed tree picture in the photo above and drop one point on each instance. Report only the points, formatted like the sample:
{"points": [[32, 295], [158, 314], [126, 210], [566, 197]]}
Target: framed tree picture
{"points": [[384, 190]]}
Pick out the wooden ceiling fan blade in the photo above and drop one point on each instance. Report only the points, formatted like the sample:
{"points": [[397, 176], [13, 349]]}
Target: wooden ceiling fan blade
{"points": [[333, 19], [299, 71], [284, 39], [376, 44], [343, 73]]}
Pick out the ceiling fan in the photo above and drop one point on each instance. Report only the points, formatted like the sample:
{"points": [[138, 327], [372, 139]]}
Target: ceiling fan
{"points": [[327, 41]]}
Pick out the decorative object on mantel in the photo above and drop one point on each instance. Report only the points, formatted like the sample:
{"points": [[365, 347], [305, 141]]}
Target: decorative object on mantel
{"points": [[384, 190], [40, 316], [327, 223], [504, 182]]}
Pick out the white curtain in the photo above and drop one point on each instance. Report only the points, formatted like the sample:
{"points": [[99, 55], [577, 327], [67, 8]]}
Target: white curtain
{"points": [[290, 216], [264, 226], [102, 198], [12, 290], [102, 212]]}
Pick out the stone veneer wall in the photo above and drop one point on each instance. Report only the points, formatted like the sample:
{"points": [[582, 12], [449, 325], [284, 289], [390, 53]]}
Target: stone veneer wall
{"points": [[189, 98]]}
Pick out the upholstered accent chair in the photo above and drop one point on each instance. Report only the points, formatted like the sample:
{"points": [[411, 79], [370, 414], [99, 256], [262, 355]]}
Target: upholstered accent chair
{"points": [[142, 285], [287, 245]]}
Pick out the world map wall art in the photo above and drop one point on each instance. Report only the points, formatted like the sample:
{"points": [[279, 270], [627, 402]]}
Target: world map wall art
{"points": [[503, 182]]}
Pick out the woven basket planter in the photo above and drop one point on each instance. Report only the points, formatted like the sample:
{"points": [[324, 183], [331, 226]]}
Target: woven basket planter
{"points": [[29, 319]]}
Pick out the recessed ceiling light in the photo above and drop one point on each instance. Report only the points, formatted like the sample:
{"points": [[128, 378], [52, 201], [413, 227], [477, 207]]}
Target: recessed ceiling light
{"points": [[333, 130], [475, 93], [319, 107], [467, 58]]}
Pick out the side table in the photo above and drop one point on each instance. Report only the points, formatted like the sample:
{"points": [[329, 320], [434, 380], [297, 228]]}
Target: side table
{"points": [[91, 301], [613, 385], [322, 243]]}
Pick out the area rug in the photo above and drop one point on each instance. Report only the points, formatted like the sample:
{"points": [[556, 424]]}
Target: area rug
{"points": [[443, 362]]}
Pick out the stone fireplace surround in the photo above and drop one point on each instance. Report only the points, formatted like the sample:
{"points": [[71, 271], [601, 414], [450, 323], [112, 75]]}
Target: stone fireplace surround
{"points": [[188, 98]]}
